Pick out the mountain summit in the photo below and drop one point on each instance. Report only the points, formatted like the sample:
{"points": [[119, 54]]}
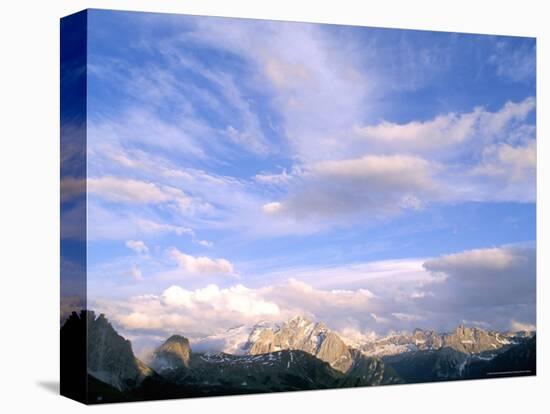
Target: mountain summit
{"points": [[110, 358], [301, 334], [174, 353], [296, 355]]}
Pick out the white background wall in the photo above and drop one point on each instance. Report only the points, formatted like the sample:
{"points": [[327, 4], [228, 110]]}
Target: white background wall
{"points": [[29, 158]]}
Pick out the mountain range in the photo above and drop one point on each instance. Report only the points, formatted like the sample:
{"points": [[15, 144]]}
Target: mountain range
{"points": [[294, 355]]}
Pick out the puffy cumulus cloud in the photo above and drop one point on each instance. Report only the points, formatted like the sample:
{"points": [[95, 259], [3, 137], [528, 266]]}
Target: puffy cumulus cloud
{"points": [[373, 185], [413, 165], [484, 279], [299, 297], [235, 299], [146, 314], [137, 246], [201, 265], [125, 190], [493, 288], [355, 337], [211, 309], [193, 313]]}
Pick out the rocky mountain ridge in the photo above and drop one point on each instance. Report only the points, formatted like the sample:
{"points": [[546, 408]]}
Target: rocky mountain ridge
{"points": [[110, 356], [300, 349], [295, 355], [468, 340], [300, 333], [174, 353]]}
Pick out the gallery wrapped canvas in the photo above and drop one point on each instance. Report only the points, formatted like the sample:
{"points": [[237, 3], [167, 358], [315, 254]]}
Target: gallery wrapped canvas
{"points": [[253, 206]]}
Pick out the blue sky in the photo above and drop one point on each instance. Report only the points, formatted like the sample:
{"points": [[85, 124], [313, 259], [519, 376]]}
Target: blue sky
{"points": [[241, 170]]}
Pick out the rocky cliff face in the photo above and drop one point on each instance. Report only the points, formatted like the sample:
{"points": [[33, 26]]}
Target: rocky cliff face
{"points": [[424, 340], [301, 334], [173, 354], [110, 356], [473, 340], [462, 339], [296, 355]]}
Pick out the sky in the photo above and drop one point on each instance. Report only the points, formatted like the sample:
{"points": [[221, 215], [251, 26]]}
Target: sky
{"points": [[243, 170]]}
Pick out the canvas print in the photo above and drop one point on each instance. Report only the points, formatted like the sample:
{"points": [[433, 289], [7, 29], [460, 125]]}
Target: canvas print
{"points": [[252, 206]]}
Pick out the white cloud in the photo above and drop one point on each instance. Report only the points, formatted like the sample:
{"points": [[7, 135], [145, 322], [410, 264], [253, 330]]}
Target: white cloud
{"points": [[479, 260], [442, 131], [407, 316], [212, 308], [412, 165], [379, 319], [135, 273], [202, 264], [137, 246], [482, 278], [147, 226], [355, 337], [396, 171], [506, 173], [323, 96], [317, 87], [517, 64], [489, 286], [384, 278], [123, 224], [372, 185], [272, 208], [235, 299], [121, 190], [447, 131], [503, 160], [516, 326], [299, 297], [280, 179]]}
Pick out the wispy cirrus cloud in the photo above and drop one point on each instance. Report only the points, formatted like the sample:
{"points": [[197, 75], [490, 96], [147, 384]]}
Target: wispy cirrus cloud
{"points": [[513, 63], [216, 138]]}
